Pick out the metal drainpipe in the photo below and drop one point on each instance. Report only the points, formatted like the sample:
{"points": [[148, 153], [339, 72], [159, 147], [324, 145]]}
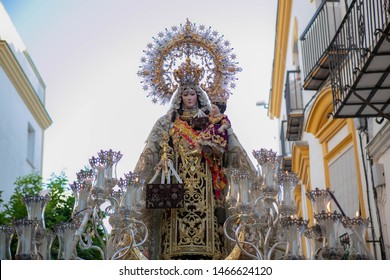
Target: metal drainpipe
{"points": [[363, 130], [382, 245]]}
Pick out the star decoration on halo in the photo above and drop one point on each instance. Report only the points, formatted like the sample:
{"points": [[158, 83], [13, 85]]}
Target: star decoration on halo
{"points": [[169, 34], [204, 46]]}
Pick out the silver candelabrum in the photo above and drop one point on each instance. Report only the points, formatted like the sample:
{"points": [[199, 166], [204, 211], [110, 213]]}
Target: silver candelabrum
{"points": [[106, 217], [263, 223]]}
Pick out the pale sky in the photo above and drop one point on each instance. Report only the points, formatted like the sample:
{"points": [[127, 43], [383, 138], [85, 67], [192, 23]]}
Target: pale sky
{"points": [[88, 53]]}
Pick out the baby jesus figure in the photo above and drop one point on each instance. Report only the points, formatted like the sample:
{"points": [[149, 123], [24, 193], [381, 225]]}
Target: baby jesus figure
{"points": [[215, 136]]}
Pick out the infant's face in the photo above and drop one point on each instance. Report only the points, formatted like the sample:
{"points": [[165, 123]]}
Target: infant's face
{"points": [[214, 109]]}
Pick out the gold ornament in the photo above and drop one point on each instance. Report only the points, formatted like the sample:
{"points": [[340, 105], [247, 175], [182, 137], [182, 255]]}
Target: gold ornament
{"points": [[188, 54]]}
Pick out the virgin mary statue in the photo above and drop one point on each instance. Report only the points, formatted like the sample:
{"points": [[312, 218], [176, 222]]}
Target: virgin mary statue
{"points": [[174, 151]]}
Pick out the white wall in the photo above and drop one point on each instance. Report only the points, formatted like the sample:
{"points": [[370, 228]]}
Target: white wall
{"points": [[317, 173], [303, 12], [14, 120]]}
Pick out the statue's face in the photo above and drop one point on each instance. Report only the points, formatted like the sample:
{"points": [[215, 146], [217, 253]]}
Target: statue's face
{"points": [[215, 109], [189, 98]]}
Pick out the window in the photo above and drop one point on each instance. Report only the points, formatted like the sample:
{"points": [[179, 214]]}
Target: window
{"points": [[30, 145], [343, 180]]}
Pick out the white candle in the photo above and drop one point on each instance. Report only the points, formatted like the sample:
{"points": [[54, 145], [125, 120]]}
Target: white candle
{"points": [[109, 171], [82, 199], [100, 177], [244, 197], [129, 197], [294, 241], [330, 233]]}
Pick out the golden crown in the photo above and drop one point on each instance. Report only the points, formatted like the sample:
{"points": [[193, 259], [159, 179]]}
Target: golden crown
{"points": [[188, 73], [218, 98]]}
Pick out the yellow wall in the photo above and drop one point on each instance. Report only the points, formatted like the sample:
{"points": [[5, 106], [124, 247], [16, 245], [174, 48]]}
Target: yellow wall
{"points": [[280, 53], [324, 127], [22, 85]]}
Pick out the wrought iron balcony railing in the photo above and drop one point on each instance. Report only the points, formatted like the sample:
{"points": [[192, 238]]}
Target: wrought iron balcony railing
{"points": [[359, 58], [293, 91], [315, 42], [294, 105]]}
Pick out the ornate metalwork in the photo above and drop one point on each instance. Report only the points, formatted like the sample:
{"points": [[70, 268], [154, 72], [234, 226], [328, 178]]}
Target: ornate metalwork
{"points": [[266, 230], [351, 51], [257, 226], [189, 41]]}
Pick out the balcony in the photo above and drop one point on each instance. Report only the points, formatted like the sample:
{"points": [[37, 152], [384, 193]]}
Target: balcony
{"points": [[294, 105], [359, 58], [315, 41]]}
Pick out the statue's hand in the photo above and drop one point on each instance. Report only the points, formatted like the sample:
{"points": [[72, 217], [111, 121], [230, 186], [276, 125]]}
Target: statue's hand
{"points": [[160, 165]]}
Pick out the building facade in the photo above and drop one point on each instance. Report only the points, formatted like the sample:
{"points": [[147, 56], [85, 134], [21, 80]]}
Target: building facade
{"points": [[23, 117], [330, 91]]}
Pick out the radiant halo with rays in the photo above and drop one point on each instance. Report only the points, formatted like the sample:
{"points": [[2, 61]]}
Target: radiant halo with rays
{"points": [[204, 46]]}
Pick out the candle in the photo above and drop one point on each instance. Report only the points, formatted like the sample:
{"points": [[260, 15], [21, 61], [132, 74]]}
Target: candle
{"points": [[109, 172], [329, 227], [294, 240], [82, 199], [100, 177], [129, 198]]}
